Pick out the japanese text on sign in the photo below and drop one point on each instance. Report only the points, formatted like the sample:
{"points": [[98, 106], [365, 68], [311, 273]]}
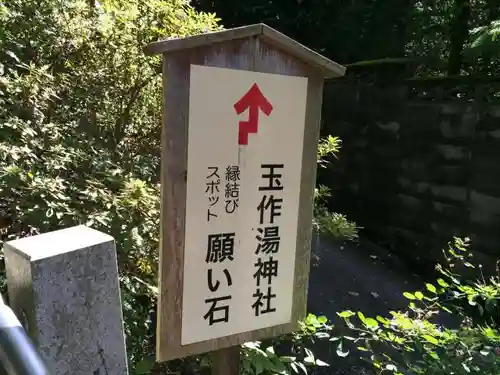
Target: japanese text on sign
{"points": [[269, 209], [241, 201], [220, 249], [212, 190]]}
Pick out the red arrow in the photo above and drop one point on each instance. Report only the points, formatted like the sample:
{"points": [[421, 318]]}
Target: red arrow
{"points": [[253, 100]]}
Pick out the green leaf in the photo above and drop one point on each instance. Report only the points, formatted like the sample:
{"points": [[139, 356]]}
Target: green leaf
{"points": [[431, 339], [311, 319], [322, 319], [361, 316], [258, 364], [13, 56], [434, 355], [408, 295], [302, 367], [270, 351], [309, 360], [431, 288], [382, 320], [320, 363], [371, 323], [278, 367], [341, 352], [391, 367], [322, 335], [443, 283], [419, 295], [346, 314], [444, 308]]}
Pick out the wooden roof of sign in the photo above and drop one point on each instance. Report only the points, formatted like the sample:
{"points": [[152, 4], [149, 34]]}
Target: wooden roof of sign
{"points": [[329, 68]]}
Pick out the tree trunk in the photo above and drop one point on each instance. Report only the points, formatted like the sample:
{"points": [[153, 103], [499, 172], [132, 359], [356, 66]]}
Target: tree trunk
{"points": [[493, 10], [459, 33]]}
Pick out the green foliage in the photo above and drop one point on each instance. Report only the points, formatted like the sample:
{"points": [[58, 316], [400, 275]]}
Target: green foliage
{"points": [[325, 221], [485, 38], [289, 354], [437, 35], [412, 342], [328, 146], [292, 354], [80, 108], [346, 31]]}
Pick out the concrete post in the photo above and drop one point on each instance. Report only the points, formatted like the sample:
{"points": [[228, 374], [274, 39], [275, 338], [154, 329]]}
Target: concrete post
{"points": [[64, 285]]}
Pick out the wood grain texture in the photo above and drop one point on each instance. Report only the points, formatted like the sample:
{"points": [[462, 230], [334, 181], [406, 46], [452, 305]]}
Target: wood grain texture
{"points": [[178, 44], [280, 41], [251, 54], [226, 361], [306, 199], [330, 68]]}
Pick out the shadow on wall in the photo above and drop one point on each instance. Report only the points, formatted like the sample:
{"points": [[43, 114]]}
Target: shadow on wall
{"points": [[420, 160]]}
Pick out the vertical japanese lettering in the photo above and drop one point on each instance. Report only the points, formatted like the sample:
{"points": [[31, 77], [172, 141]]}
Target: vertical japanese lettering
{"points": [[215, 307], [212, 185], [272, 176], [262, 304], [219, 303], [220, 248], [268, 240], [268, 237], [266, 269], [214, 285], [271, 206], [232, 191]]}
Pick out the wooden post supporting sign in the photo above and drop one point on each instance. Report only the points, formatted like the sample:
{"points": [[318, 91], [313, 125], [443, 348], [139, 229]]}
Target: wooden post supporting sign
{"points": [[240, 133]]}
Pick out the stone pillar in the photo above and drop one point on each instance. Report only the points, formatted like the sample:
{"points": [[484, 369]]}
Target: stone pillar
{"points": [[64, 286]]}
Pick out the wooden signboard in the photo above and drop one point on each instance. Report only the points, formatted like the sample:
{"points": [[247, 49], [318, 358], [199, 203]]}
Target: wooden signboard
{"points": [[240, 134]]}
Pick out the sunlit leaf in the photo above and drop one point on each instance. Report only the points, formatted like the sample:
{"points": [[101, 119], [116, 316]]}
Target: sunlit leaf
{"points": [[431, 288], [341, 352], [321, 363], [409, 295], [431, 339], [346, 314]]}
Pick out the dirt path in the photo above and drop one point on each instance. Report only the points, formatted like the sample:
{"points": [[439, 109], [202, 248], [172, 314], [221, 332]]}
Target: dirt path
{"points": [[358, 277]]}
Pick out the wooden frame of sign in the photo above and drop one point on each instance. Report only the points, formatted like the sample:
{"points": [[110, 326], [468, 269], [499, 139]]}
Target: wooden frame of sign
{"points": [[256, 48]]}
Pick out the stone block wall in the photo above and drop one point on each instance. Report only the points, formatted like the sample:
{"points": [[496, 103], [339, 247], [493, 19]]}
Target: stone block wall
{"points": [[420, 161]]}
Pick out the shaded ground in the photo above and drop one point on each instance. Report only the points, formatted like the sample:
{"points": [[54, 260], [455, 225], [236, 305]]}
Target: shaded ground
{"points": [[359, 277]]}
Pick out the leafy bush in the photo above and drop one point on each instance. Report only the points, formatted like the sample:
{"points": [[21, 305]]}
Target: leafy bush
{"points": [[413, 342], [288, 354], [80, 109], [325, 221]]}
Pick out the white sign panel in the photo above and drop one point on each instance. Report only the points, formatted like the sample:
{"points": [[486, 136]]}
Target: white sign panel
{"points": [[243, 183]]}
